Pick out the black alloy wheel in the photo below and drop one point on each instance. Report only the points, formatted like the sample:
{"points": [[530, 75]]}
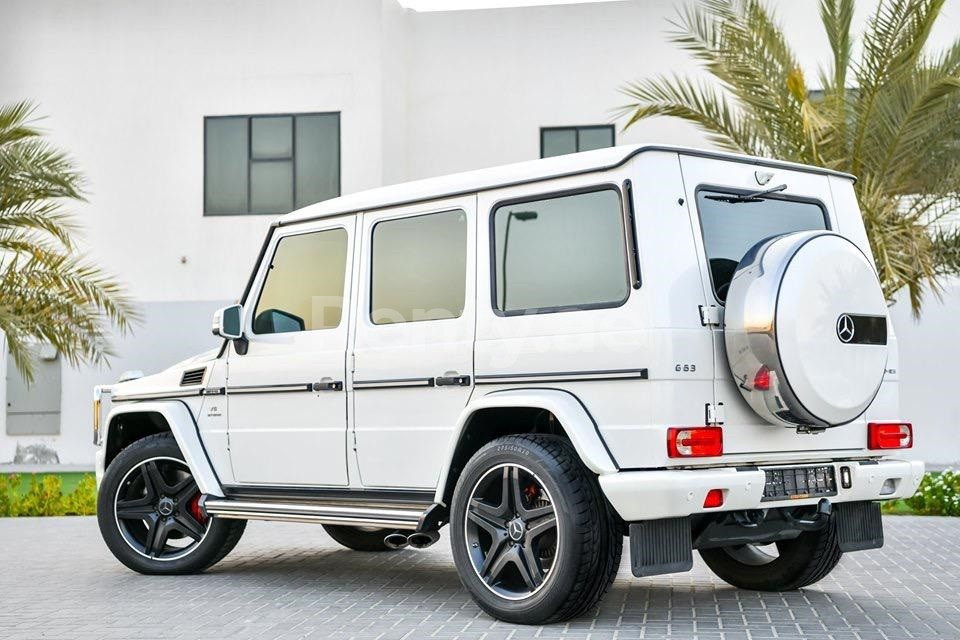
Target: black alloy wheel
{"points": [[149, 512], [157, 509], [511, 530], [532, 535]]}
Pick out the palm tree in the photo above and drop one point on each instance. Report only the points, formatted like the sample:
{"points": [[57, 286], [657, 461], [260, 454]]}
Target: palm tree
{"points": [[48, 292], [891, 116]]}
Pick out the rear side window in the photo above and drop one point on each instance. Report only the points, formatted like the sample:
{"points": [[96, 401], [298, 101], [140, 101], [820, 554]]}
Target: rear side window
{"points": [[304, 287], [419, 268], [732, 226], [560, 253]]}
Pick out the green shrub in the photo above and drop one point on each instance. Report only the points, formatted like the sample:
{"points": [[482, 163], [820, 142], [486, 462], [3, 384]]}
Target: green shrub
{"points": [[938, 495], [44, 496]]}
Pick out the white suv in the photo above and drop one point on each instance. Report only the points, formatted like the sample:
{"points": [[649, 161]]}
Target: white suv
{"points": [[684, 347]]}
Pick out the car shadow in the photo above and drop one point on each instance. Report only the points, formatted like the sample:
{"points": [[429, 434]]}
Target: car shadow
{"points": [[326, 568]]}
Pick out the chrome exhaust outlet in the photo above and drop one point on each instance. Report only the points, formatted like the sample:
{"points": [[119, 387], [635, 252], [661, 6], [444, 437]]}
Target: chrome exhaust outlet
{"points": [[396, 540], [423, 539]]}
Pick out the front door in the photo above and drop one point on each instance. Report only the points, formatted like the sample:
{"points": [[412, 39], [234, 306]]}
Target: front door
{"points": [[413, 369], [286, 400]]}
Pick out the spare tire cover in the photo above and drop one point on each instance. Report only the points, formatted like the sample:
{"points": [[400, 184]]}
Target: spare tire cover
{"points": [[805, 328]]}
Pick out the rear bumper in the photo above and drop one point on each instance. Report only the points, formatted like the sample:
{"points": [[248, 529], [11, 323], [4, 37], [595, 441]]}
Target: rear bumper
{"points": [[651, 495]]}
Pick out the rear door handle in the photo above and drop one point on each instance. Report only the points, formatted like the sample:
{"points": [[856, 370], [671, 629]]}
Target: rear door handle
{"points": [[328, 385], [452, 381]]}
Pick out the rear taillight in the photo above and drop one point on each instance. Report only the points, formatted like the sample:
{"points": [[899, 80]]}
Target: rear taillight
{"points": [[713, 499], [761, 381], [694, 442], [889, 435]]}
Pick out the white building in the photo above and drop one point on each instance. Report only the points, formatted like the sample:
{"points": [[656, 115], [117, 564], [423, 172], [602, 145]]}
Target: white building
{"points": [[133, 89]]}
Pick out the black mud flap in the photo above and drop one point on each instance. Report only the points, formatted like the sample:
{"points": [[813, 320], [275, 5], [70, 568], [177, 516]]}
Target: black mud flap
{"points": [[660, 546], [859, 526]]}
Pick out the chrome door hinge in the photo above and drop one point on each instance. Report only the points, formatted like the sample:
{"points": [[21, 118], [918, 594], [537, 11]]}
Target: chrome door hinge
{"points": [[710, 315], [353, 362], [715, 415]]}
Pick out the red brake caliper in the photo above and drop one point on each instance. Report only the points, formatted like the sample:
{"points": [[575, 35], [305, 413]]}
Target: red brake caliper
{"points": [[530, 492], [195, 510]]}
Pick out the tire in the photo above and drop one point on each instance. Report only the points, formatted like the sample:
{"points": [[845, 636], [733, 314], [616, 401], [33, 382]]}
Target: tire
{"points": [[800, 562], [149, 516], [576, 560], [359, 538]]}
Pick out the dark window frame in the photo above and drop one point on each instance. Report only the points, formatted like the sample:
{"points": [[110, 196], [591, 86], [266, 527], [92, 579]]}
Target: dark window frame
{"points": [[292, 159], [408, 216], [577, 129], [552, 195], [268, 267], [737, 191]]}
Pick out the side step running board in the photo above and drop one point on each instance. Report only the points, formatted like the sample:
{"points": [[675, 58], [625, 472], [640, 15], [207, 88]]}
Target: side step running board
{"points": [[359, 516]]}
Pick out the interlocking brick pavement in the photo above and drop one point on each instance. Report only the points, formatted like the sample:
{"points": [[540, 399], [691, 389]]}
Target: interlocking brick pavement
{"points": [[57, 580]]}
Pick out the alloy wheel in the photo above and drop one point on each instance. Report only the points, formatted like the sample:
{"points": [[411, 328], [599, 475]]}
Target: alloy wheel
{"points": [[157, 509], [512, 532], [755, 555]]}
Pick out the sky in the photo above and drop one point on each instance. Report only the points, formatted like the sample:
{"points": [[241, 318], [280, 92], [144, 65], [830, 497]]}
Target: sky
{"points": [[453, 5]]}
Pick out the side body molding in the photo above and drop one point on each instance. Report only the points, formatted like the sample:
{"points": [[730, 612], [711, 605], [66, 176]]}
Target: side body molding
{"points": [[576, 420], [185, 432]]}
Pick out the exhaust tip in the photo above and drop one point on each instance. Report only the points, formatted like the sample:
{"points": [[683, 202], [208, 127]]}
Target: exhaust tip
{"points": [[395, 541], [423, 539]]}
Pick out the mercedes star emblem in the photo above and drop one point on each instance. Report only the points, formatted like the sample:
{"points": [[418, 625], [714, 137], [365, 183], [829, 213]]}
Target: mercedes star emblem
{"points": [[516, 530], [845, 328]]}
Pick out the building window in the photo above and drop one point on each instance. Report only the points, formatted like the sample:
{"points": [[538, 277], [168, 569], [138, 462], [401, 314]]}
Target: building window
{"points": [[419, 268], [560, 253], [270, 163], [557, 141]]}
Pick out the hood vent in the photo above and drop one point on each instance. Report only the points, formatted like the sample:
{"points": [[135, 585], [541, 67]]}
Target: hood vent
{"points": [[192, 377]]}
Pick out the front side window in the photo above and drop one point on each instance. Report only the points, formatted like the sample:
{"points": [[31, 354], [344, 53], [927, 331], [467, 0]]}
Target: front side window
{"points": [[564, 252], [419, 268], [303, 290], [557, 141], [732, 225], [270, 163]]}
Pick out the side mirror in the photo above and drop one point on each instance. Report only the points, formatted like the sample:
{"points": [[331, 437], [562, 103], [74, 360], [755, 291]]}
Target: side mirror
{"points": [[228, 322]]}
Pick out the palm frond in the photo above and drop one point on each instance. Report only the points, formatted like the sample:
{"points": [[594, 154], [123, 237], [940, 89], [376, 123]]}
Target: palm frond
{"points": [[892, 48], [701, 105], [897, 128], [48, 292]]}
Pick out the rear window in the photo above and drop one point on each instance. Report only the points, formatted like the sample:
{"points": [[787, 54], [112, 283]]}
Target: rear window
{"points": [[419, 268], [560, 253], [731, 228]]}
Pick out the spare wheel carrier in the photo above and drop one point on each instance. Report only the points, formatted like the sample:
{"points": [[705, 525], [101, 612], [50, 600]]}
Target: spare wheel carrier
{"points": [[805, 328]]}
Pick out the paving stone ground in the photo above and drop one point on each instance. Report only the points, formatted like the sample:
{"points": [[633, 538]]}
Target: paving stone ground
{"points": [[57, 580]]}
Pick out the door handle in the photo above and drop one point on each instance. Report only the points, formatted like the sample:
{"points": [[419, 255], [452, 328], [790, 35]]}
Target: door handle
{"points": [[328, 385], [452, 381]]}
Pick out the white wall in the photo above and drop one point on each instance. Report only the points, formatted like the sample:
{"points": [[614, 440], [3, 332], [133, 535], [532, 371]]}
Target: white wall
{"points": [[482, 83], [126, 84], [171, 332], [929, 392]]}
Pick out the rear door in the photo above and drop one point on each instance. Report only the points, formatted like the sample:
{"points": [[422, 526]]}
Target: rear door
{"points": [[413, 350], [723, 232]]}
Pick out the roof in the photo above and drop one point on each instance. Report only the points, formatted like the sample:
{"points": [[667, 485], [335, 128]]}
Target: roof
{"points": [[512, 174]]}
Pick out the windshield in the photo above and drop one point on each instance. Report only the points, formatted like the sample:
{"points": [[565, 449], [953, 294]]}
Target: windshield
{"points": [[731, 227]]}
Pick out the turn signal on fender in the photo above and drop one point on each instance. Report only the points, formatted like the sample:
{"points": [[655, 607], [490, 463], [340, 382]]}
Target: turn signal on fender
{"points": [[889, 435], [694, 442]]}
